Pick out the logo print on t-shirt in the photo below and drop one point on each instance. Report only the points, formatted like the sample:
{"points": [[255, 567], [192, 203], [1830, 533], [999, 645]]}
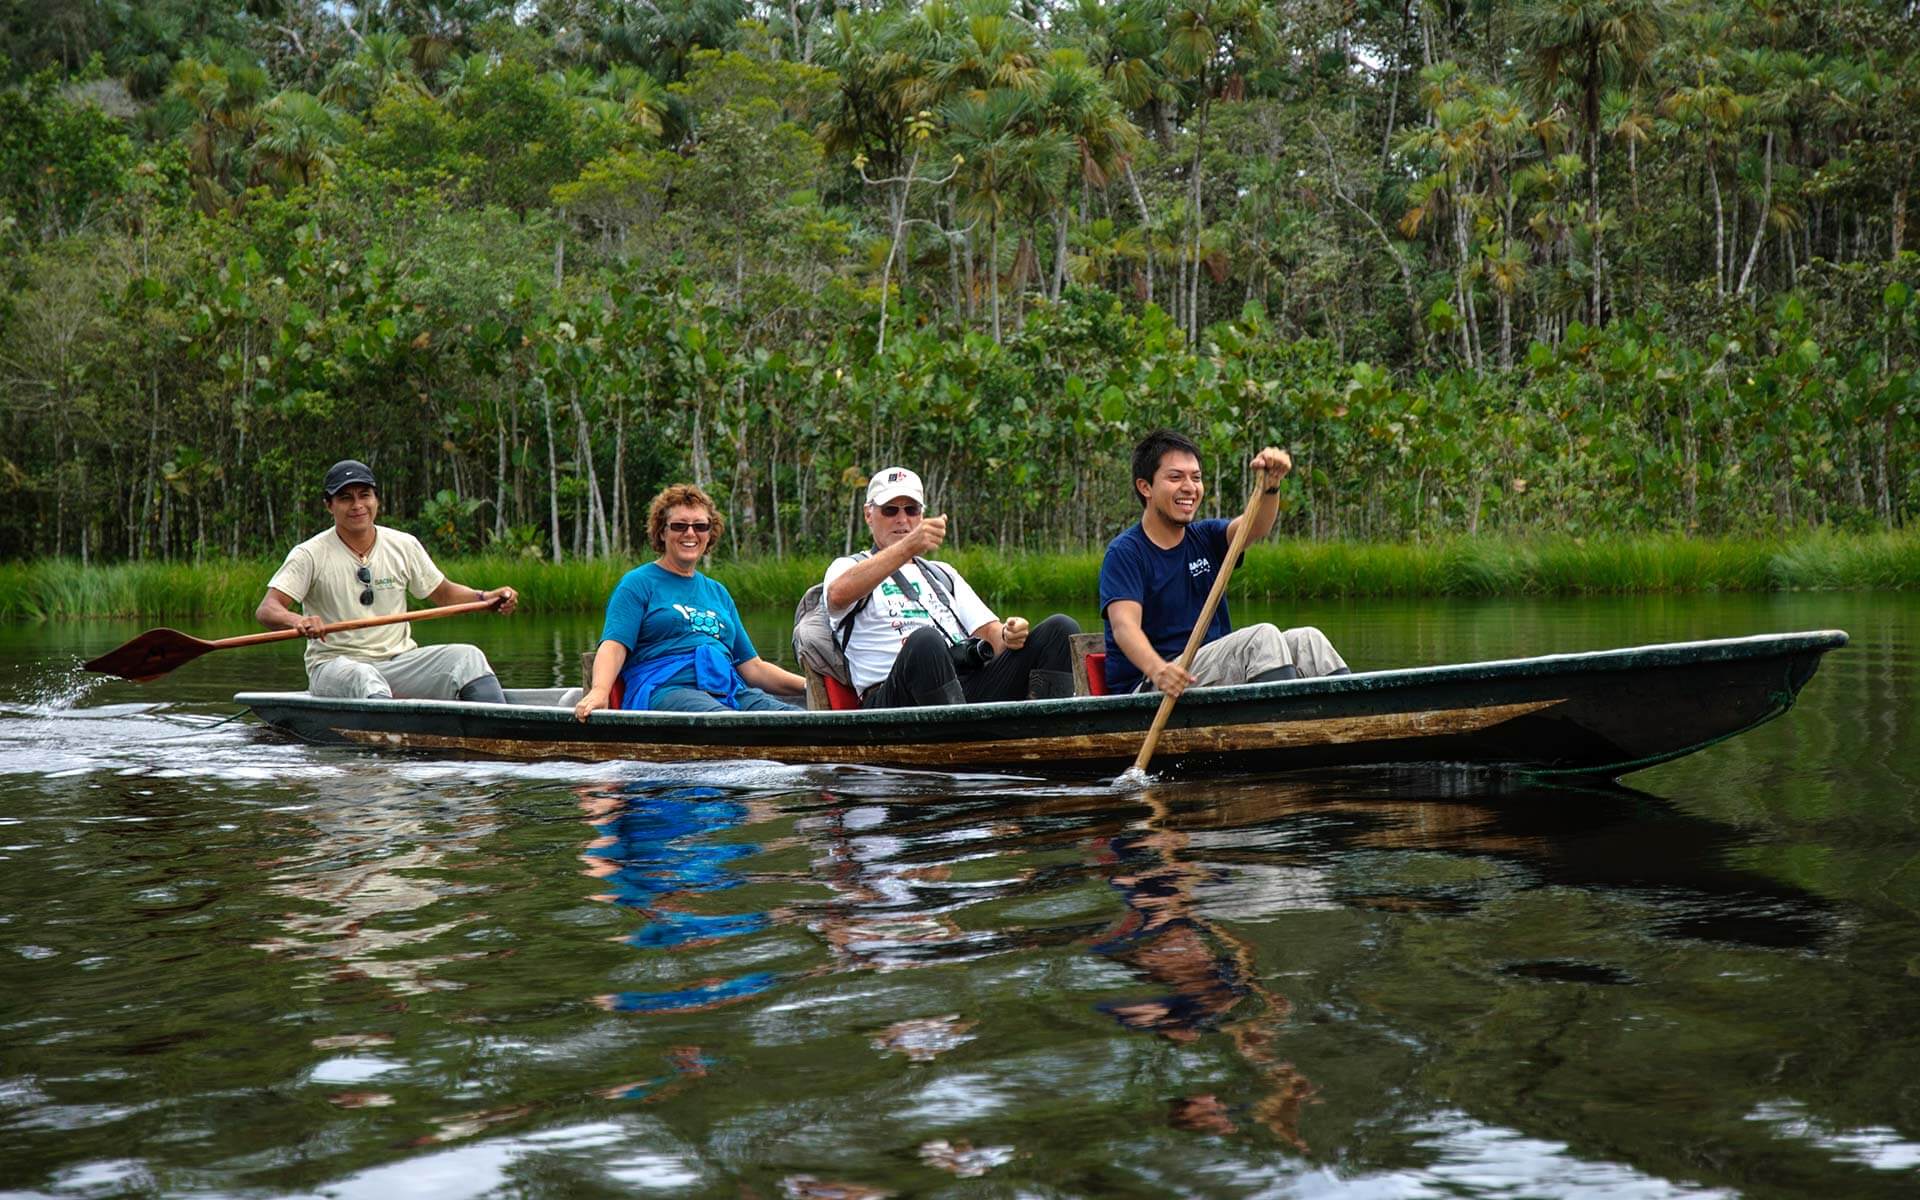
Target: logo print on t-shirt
{"points": [[704, 620], [1199, 566]]}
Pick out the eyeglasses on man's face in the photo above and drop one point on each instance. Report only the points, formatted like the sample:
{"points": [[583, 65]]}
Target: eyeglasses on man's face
{"points": [[365, 575], [909, 508], [695, 526]]}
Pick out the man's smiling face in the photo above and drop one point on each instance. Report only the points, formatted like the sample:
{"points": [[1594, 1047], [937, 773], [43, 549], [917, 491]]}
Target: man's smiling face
{"points": [[1175, 492]]}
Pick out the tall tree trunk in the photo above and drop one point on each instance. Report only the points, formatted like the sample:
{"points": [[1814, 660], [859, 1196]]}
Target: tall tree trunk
{"points": [[1146, 226], [553, 472], [1506, 332], [1198, 216], [993, 271], [1760, 221], [897, 214], [1719, 234], [500, 480], [1059, 254], [620, 478], [1393, 97], [1900, 212]]}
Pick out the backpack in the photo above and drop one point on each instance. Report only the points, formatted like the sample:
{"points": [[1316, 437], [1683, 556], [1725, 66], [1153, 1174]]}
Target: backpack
{"points": [[816, 643], [820, 646]]}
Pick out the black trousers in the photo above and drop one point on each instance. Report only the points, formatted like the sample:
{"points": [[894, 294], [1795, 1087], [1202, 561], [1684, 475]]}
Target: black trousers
{"points": [[924, 674]]}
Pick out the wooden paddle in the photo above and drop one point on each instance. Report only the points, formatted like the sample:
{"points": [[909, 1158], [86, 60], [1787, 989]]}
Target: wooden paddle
{"points": [[1136, 775], [158, 651]]}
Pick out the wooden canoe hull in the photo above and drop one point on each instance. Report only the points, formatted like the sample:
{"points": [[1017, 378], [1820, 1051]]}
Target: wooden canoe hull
{"points": [[1599, 714]]}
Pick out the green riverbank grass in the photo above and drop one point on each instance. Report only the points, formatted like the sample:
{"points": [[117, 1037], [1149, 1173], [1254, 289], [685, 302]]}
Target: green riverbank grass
{"points": [[1484, 567]]}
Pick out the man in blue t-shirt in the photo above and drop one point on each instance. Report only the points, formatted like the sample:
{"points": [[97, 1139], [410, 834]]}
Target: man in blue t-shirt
{"points": [[1155, 579]]}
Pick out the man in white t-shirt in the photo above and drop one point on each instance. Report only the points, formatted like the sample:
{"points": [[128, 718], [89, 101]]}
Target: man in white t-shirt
{"points": [[920, 635], [362, 569]]}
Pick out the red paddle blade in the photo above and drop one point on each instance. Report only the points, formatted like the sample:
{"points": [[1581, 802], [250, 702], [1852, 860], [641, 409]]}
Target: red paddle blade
{"points": [[150, 655]]}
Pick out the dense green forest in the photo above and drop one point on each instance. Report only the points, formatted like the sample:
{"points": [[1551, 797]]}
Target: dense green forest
{"points": [[1552, 266]]}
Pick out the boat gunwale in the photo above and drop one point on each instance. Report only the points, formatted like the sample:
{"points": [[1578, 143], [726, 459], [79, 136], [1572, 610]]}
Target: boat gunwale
{"points": [[1193, 706]]}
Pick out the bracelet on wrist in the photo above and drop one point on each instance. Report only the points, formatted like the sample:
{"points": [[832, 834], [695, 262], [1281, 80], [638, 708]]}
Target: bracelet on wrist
{"points": [[1272, 491]]}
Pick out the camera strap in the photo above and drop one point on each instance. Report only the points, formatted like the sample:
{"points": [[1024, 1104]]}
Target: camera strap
{"points": [[946, 601]]}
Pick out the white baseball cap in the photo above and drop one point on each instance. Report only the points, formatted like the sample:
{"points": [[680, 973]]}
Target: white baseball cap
{"points": [[892, 483]]}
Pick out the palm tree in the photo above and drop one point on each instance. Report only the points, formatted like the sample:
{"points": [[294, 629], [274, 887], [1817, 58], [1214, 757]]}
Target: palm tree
{"points": [[1588, 44], [1206, 43], [460, 74], [384, 60], [1127, 43], [638, 99], [877, 56], [664, 36], [223, 99], [299, 132], [1078, 104], [972, 48], [1012, 164]]}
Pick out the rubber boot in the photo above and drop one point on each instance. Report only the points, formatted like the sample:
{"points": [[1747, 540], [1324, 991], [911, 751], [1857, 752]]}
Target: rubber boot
{"points": [[1049, 685], [484, 690], [1277, 674], [1340, 671]]}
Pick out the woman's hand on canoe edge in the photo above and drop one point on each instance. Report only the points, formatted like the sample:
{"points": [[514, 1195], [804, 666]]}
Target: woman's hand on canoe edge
{"points": [[595, 698]]}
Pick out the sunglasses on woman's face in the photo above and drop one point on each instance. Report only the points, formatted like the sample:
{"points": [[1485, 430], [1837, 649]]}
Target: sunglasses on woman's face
{"points": [[683, 526], [888, 510], [365, 575]]}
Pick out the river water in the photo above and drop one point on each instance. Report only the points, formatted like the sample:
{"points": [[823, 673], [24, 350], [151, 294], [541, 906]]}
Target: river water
{"points": [[239, 967]]}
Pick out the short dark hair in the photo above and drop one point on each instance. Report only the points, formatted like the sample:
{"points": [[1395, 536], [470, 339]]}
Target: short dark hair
{"points": [[1154, 447]]}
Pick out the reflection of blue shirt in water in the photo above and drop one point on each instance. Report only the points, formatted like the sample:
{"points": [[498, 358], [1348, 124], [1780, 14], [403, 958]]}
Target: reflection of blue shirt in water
{"points": [[663, 843], [679, 631], [1145, 939]]}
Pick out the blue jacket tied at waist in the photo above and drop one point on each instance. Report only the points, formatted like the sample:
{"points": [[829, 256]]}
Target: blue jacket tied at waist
{"points": [[713, 674]]}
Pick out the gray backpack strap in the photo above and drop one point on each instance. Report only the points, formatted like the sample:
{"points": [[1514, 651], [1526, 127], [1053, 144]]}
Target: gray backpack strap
{"points": [[843, 629]]}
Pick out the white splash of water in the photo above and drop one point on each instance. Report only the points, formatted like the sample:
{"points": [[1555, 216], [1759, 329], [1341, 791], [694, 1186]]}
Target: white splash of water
{"points": [[62, 691]]}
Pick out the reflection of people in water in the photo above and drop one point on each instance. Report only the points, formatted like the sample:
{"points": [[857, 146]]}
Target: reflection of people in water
{"points": [[1207, 975], [656, 846], [878, 918], [683, 1062], [375, 844]]}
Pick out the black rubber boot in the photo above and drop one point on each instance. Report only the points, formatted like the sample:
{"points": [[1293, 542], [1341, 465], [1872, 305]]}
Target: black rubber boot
{"points": [[484, 690], [1340, 671], [1277, 674], [1049, 685]]}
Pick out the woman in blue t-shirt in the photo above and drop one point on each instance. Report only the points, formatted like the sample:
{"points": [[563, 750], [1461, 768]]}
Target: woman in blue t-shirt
{"points": [[673, 638]]}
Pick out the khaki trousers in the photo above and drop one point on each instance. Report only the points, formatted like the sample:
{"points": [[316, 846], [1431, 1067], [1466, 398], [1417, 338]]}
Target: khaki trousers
{"points": [[422, 673], [1257, 649]]}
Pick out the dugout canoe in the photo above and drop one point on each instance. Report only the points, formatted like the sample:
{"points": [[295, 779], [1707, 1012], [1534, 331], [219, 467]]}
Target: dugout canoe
{"points": [[1600, 714]]}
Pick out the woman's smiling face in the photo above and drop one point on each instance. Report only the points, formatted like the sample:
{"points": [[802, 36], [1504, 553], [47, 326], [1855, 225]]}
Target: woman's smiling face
{"points": [[686, 545]]}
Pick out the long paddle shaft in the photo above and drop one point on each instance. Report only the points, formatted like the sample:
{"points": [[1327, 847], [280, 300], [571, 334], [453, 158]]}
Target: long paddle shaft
{"points": [[158, 651], [1199, 633]]}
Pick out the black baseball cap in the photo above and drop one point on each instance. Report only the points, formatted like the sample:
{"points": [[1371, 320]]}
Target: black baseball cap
{"points": [[346, 473]]}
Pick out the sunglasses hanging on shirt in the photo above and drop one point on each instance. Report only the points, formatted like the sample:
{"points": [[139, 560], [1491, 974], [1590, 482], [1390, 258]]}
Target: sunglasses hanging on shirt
{"points": [[365, 575]]}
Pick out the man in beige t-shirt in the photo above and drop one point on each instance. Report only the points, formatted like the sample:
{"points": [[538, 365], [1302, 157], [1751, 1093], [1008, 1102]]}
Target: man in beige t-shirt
{"points": [[362, 569]]}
